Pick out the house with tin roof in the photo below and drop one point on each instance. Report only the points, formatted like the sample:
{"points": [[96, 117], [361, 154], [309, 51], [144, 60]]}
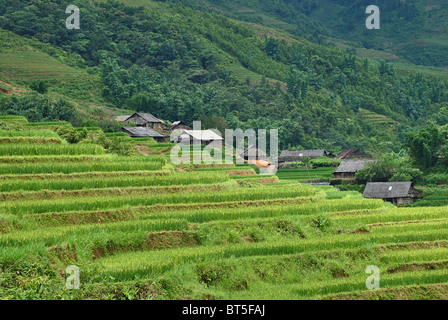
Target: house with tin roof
{"points": [[143, 132], [204, 137], [347, 169], [347, 154], [395, 192], [144, 120], [297, 155]]}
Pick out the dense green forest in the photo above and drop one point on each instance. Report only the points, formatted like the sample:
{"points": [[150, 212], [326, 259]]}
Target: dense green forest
{"points": [[183, 64], [414, 29]]}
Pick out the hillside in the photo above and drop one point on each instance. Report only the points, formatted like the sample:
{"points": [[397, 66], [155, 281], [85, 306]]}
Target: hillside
{"points": [[24, 61], [138, 227], [413, 30], [89, 212], [181, 63]]}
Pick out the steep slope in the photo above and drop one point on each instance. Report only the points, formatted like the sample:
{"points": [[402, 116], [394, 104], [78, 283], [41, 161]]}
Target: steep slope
{"points": [[181, 63], [415, 31], [24, 61]]}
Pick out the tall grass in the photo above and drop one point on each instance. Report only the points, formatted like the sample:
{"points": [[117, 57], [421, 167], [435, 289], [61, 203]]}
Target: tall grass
{"points": [[94, 203], [127, 265], [63, 149], [30, 140], [47, 124], [14, 119], [29, 133], [56, 159], [124, 180], [98, 166]]}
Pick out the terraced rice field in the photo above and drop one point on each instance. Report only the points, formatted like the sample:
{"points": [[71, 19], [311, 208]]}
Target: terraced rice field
{"points": [[377, 119], [139, 228], [302, 175]]}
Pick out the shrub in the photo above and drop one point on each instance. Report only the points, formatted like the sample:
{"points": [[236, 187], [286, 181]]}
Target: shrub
{"points": [[40, 86], [436, 178]]}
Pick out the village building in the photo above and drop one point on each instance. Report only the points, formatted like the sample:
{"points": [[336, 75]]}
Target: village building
{"points": [[203, 137], [121, 118], [253, 153], [394, 192], [144, 120], [347, 154], [143, 132], [347, 169], [179, 125], [297, 155]]}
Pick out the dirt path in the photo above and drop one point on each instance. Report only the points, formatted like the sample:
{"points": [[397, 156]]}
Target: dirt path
{"points": [[11, 88], [163, 152], [137, 147]]}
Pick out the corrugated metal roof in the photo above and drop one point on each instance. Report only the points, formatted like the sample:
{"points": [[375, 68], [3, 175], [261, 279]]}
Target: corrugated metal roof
{"points": [[146, 116], [142, 132], [202, 135], [149, 117], [353, 154], [296, 154], [254, 152], [121, 118], [351, 166]]}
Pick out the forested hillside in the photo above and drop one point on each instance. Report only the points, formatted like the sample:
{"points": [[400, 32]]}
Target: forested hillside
{"points": [[183, 64], [414, 30]]}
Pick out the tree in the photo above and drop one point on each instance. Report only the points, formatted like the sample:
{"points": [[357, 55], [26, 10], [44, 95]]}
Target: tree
{"points": [[37, 108], [141, 102], [298, 83], [40, 86], [390, 167], [424, 145]]}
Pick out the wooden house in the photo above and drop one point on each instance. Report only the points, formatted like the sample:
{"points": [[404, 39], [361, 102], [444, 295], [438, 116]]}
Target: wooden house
{"points": [[121, 118], [348, 154], [297, 155], [143, 132], [179, 125], [204, 137], [394, 192], [144, 120], [253, 153], [347, 169]]}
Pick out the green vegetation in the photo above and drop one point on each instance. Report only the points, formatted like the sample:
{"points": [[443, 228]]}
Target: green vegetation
{"points": [[389, 167], [62, 149], [411, 31], [433, 196], [198, 231], [205, 66], [75, 190], [316, 175]]}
